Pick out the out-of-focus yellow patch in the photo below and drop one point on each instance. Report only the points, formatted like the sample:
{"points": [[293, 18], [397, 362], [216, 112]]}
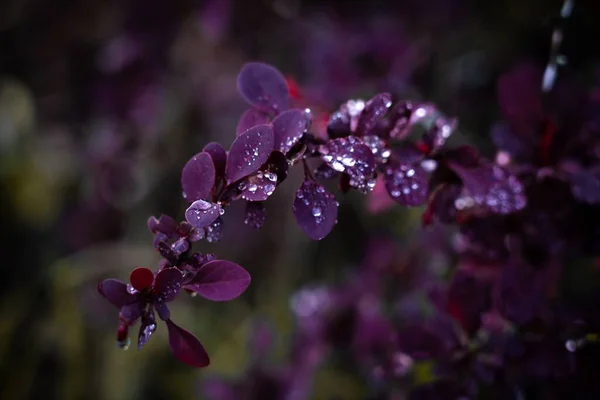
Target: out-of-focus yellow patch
{"points": [[331, 383], [35, 199], [423, 373]]}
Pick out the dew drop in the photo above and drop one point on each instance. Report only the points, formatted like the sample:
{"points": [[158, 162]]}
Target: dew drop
{"points": [[410, 173], [124, 344], [252, 187], [269, 189], [349, 161], [338, 166], [316, 211], [571, 345]]}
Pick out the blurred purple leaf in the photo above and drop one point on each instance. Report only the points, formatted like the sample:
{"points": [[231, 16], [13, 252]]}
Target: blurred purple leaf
{"points": [[202, 213], [400, 120], [520, 97], [220, 280], [164, 224], [263, 86], [406, 183], [250, 118], [255, 214], [186, 347], [248, 152], [198, 177], [586, 186], [288, 128], [440, 131], [490, 187], [374, 110], [315, 210]]}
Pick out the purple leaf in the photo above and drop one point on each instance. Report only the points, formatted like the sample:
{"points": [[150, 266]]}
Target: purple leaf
{"points": [[202, 213], [351, 156], [220, 280], [345, 121], [586, 186], [520, 97], [378, 148], [186, 347], [250, 118], [219, 158], [147, 328], [490, 188], [163, 311], [258, 187], [248, 152], [131, 312], [339, 124], [315, 210], [198, 177], [521, 292], [505, 139], [400, 120], [167, 284], [116, 292], [288, 128], [406, 183], [255, 215], [437, 135], [164, 224], [263, 86], [325, 172], [374, 110], [442, 203]]}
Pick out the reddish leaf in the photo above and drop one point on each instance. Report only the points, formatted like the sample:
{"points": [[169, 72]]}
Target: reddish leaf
{"points": [[186, 347]]}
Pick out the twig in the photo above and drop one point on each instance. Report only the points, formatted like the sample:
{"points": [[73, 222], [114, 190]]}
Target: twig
{"points": [[556, 59]]}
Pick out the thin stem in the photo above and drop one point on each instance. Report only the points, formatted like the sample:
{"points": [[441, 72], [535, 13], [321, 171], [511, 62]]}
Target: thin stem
{"points": [[556, 59]]}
